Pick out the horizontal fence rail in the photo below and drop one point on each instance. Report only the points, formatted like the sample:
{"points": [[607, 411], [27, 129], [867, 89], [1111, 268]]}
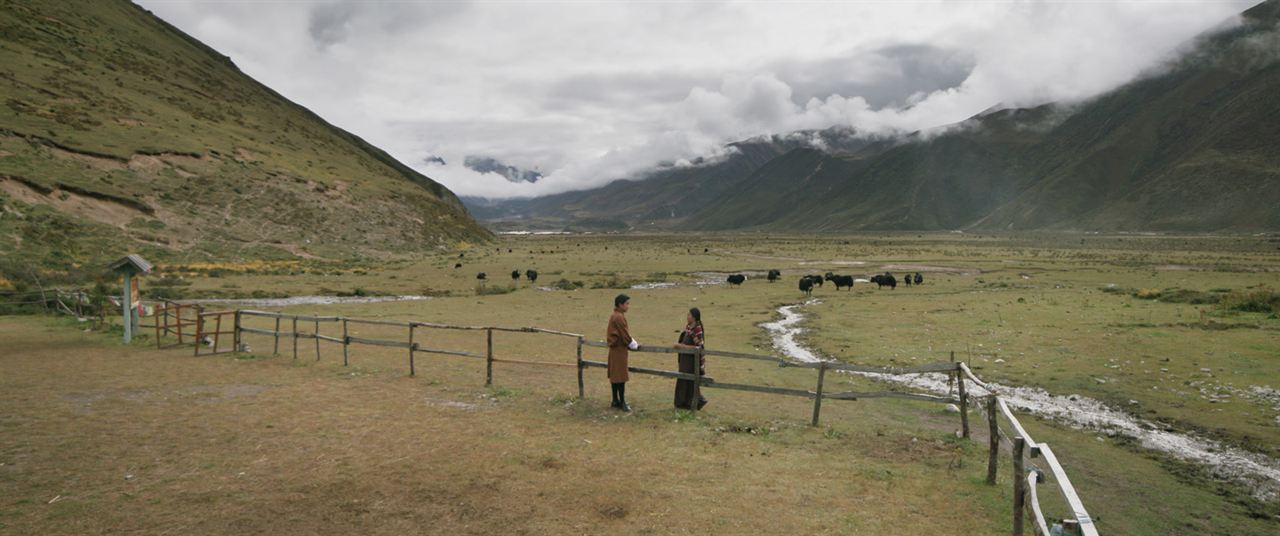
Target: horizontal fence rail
{"points": [[172, 318]]}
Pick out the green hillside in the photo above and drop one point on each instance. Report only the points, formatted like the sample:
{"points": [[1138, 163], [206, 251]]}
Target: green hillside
{"points": [[1190, 148], [119, 132]]}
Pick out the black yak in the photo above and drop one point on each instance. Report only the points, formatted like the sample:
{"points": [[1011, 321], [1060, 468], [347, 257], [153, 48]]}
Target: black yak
{"points": [[886, 280], [774, 275], [736, 279], [515, 275], [841, 281], [806, 286], [919, 279], [532, 275], [481, 276]]}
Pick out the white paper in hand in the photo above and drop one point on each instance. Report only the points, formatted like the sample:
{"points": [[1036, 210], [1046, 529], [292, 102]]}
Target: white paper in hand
{"points": [[634, 345]]}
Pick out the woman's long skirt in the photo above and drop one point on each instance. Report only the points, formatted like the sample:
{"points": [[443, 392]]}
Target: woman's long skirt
{"points": [[687, 393]]}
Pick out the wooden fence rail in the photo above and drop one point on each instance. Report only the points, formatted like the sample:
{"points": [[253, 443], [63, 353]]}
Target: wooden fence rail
{"points": [[1022, 446]]}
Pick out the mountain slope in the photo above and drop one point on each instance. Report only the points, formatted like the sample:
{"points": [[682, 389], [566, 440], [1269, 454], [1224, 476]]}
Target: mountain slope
{"points": [[1189, 148], [120, 132], [1192, 149], [662, 199]]}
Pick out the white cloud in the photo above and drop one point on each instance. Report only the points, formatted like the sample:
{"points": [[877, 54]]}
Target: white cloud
{"points": [[590, 92]]}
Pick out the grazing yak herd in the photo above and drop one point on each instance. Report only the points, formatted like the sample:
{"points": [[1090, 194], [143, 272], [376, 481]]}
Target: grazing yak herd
{"points": [[808, 282]]}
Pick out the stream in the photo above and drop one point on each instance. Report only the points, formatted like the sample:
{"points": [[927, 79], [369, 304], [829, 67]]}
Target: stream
{"points": [[1258, 472]]}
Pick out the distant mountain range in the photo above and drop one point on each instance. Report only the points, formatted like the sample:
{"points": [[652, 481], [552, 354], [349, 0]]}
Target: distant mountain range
{"points": [[486, 164], [119, 133], [1195, 147]]}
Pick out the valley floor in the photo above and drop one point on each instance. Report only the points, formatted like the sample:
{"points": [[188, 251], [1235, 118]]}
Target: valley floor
{"points": [[99, 437]]}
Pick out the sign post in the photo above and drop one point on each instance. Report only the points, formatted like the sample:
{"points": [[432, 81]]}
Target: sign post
{"points": [[129, 267]]}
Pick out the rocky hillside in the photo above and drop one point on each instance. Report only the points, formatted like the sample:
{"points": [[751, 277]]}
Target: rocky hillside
{"points": [[119, 132]]}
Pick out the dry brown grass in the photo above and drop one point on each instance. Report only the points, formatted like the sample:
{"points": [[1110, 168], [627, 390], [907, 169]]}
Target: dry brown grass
{"points": [[157, 441]]}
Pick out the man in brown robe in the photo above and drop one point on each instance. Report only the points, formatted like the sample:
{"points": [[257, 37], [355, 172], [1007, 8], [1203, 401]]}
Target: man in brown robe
{"points": [[620, 341]]}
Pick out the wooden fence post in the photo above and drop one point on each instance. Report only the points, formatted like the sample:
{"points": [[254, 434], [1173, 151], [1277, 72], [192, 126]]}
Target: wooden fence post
{"points": [[964, 405], [1019, 485], [295, 338], [236, 337], [179, 322], [346, 342], [317, 334], [488, 360], [817, 400], [697, 381], [199, 329], [275, 350], [994, 440], [412, 372], [159, 314], [217, 331], [581, 389]]}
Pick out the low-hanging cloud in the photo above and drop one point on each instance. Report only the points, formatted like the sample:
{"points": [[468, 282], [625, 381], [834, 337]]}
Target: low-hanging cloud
{"points": [[589, 93]]}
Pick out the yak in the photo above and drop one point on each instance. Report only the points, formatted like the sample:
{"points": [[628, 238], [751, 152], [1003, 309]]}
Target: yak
{"points": [[532, 275], [736, 279], [886, 280], [774, 275], [806, 286], [841, 281]]}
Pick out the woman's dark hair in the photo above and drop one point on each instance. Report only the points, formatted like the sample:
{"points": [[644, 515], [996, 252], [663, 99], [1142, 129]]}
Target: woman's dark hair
{"points": [[621, 299], [697, 319]]}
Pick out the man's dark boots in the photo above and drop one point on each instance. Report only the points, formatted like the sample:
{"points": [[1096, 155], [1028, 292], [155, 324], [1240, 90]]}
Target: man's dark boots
{"points": [[622, 398]]}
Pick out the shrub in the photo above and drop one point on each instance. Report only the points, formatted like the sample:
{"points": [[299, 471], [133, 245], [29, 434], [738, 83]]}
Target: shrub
{"points": [[485, 290], [1259, 300], [565, 284]]}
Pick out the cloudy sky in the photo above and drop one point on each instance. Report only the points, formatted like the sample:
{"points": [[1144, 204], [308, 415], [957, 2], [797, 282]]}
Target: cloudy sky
{"points": [[588, 92]]}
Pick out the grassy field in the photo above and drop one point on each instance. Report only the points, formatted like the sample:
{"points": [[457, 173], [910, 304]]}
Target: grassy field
{"points": [[158, 441]]}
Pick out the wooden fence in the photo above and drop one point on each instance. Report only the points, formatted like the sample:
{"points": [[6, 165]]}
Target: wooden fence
{"points": [[1022, 446], [168, 320]]}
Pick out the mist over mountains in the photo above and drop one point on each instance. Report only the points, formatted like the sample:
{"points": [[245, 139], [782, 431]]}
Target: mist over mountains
{"points": [[1192, 147]]}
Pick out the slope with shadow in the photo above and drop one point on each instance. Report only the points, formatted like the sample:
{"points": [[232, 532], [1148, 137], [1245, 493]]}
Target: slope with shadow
{"points": [[661, 199], [120, 132], [1188, 149], [1193, 149]]}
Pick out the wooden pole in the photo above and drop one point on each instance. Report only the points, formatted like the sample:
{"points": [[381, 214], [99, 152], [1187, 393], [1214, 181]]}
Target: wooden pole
{"points": [[581, 388], [126, 299], [276, 349], [295, 338], [697, 380], [179, 322], [817, 400], [488, 361], [1019, 485], [317, 332], [411, 371], [994, 440], [236, 336], [346, 342], [964, 406], [217, 331], [157, 319], [199, 328]]}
